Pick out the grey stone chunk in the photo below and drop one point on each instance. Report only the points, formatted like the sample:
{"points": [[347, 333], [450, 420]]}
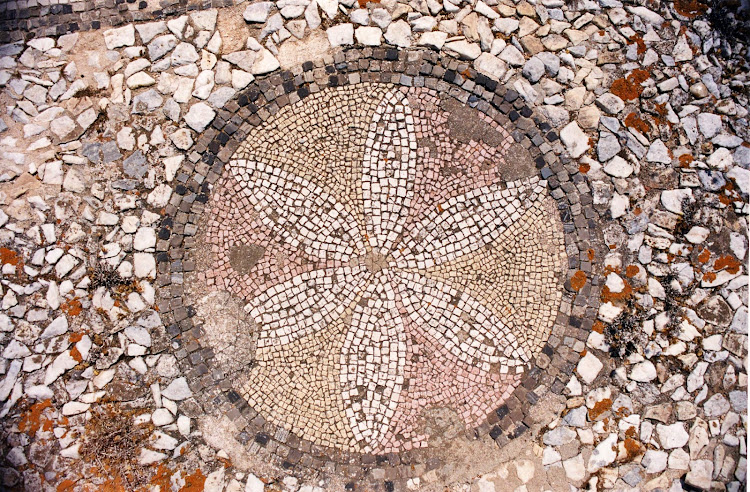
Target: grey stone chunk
{"points": [[709, 124], [110, 152], [177, 390], [533, 69], [199, 116], [146, 102], [161, 46], [135, 166], [610, 103], [257, 12], [607, 147]]}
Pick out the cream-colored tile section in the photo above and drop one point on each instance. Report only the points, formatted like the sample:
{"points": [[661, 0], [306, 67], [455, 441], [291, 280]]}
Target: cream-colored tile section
{"points": [[518, 276], [296, 386], [322, 139]]}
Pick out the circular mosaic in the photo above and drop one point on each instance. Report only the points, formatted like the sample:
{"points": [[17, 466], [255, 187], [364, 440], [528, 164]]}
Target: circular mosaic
{"points": [[356, 246], [386, 263]]}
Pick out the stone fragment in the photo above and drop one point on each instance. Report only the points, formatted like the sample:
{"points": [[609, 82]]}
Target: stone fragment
{"points": [[673, 199], [150, 30], [533, 69], [433, 39], [604, 454], [177, 390], [643, 372], [265, 63], [242, 59], [122, 36], [199, 116], [709, 124], [340, 35], [464, 49], [575, 140], [399, 34], [368, 36], [700, 474], [610, 103], [588, 367], [658, 152], [672, 436]]}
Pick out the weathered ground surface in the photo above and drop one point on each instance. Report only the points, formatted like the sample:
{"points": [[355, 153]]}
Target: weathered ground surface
{"points": [[110, 139]]}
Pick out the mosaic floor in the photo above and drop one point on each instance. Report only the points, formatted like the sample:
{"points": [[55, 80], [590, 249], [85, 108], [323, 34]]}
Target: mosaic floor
{"points": [[374, 246], [387, 263]]}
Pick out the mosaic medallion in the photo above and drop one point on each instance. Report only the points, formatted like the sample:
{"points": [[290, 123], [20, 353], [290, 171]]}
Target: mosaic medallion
{"points": [[386, 263], [361, 255]]}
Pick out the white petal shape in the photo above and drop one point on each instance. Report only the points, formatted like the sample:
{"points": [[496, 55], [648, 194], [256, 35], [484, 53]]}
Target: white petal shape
{"points": [[388, 171], [466, 223], [460, 322], [372, 362], [305, 303], [299, 211]]}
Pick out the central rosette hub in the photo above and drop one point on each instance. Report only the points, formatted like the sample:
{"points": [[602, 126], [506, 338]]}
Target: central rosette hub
{"points": [[375, 262]]}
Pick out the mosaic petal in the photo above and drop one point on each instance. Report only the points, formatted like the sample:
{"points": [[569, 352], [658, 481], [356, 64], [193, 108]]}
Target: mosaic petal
{"points": [[305, 304], [466, 223], [299, 211], [467, 328], [388, 171], [372, 363]]}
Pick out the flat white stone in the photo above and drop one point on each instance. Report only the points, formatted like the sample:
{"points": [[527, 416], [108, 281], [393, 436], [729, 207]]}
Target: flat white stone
{"points": [[177, 390], [368, 36], [199, 116], [122, 36], [672, 436], [588, 367], [575, 140]]}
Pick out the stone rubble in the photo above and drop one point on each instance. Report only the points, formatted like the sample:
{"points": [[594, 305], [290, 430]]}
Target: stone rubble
{"points": [[645, 102]]}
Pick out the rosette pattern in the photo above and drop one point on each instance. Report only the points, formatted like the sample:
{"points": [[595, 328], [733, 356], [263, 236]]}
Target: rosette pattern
{"points": [[375, 291]]}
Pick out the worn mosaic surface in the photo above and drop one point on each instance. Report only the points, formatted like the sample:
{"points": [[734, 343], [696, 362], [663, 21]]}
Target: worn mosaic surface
{"points": [[388, 264], [313, 245]]}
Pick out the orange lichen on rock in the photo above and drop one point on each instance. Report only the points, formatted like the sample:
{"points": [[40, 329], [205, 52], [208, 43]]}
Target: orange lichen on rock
{"points": [[194, 482], [632, 448], [10, 257], [32, 419], [630, 87], [584, 168], [632, 120], [690, 8], [704, 256], [76, 355], [685, 160], [591, 254], [598, 327], [728, 263], [632, 270], [709, 276], [113, 485], [72, 307], [638, 39], [162, 477], [578, 280], [609, 296], [599, 408], [66, 485]]}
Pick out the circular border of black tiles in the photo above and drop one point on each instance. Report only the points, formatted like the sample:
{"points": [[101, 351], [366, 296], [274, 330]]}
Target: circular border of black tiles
{"points": [[552, 367]]}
